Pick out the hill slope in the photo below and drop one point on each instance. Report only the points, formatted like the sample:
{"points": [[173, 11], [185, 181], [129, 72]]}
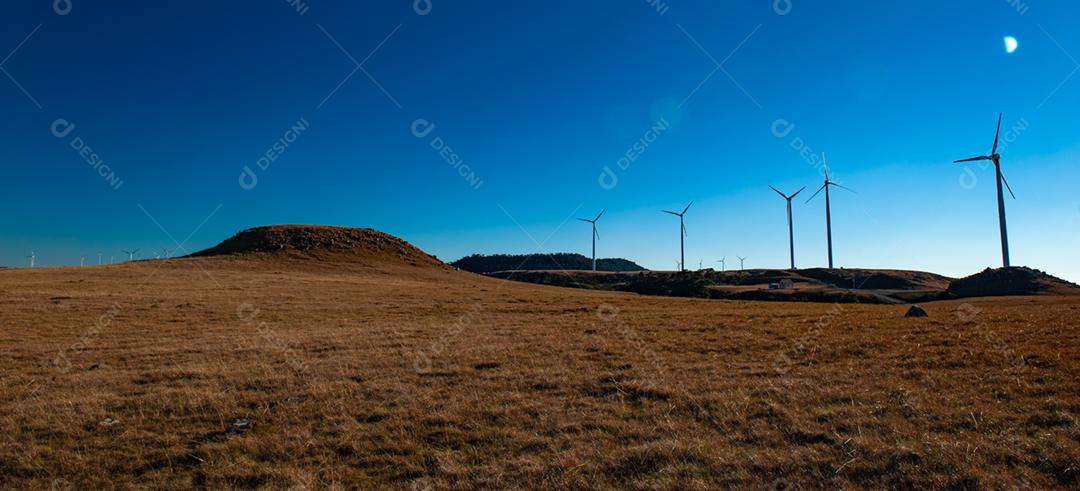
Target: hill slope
{"points": [[326, 243], [1011, 281]]}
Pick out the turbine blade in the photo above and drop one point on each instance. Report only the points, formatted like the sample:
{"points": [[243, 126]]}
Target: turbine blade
{"points": [[817, 193], [996, 134], [825, 162], [687, 208], [671, 212], [1007, 185], [586, 220], [600, 215], [972, 159], [844, 187], [782, 195], [797, 192], [596, 233]]}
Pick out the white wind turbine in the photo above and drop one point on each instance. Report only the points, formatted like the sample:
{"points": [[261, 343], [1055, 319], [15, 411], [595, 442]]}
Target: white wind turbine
{"points": [[595, 235], [682, 235], [722, 266], [996, 159], [131, 254], [742, 262], [828, 211], [32, 257]]}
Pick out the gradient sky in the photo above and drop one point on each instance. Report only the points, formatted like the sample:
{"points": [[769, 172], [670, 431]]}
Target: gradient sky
{"points": [[536, 98]]}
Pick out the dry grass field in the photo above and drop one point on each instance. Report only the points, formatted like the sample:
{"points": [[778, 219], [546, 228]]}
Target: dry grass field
{"points": [[278, 373]]}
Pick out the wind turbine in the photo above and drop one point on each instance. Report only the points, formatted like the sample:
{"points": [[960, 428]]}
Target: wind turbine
{"points": [[742, 262], [82, 261], [721, 261], [996, 159], [790, 228], [32, 257], [700, 264], [595, 235], [828, 211], [682, 235], [131, 254]]}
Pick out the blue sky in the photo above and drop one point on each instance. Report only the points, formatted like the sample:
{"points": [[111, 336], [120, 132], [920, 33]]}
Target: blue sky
{"points": [[533, 100]]}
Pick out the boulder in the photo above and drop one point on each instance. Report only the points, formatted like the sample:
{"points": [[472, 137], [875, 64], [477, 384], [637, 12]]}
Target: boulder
{"points": [[916, 311]]}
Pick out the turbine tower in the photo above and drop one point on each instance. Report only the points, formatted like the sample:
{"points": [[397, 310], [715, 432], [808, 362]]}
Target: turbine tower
{"points": [[131, 254], [595, 235], [99, 259], [828, 211], [790, 228], [996, 159], [32, 257], [82, 261], [682, 235]]}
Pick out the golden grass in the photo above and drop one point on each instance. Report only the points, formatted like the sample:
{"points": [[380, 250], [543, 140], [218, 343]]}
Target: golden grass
{"points": [[420, 378]]}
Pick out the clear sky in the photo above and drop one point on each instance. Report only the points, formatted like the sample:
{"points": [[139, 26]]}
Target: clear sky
{"points": [[531, 101]]}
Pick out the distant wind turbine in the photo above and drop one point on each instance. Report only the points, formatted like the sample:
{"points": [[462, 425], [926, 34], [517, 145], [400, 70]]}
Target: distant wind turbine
{"points": [[790, 227], [742, 262], [996, 159], [828, 211], [82, 261], [595, 235], [682, 235], [721, 261], [32, 257], [131, 254]]}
